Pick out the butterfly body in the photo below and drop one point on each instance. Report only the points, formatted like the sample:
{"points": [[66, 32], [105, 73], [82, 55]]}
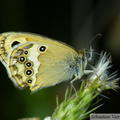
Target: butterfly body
{"points": [[38, 62]]}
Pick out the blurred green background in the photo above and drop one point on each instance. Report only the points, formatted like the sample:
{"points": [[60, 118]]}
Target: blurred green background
{"points": [[75, 22]]}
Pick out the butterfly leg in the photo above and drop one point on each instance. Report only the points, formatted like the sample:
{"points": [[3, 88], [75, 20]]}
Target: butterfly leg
{"points": [[71, 82]]}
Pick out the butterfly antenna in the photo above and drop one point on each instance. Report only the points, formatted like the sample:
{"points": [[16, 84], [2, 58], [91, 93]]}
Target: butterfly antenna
{"points": [[91, 51], [93, 39], [98, 35]]}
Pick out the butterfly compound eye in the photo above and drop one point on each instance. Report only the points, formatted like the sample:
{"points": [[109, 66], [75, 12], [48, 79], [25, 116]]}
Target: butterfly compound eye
{"points": [[15, 43]]}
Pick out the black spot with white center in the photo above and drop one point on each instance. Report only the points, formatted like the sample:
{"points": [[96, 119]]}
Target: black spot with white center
{"points": [[28, 64], [22, 59], [29, 81], [42, 48], [15, 43], [28, 72], [25, 52]]}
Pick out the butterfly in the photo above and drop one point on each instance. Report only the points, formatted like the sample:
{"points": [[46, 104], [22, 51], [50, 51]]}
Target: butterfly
{"points": [[35, 61]]}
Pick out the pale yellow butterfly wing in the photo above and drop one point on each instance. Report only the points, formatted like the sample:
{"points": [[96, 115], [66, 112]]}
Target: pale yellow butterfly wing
{"points": [[7, 41], [10, 39], [33, 118], [40, 64]]}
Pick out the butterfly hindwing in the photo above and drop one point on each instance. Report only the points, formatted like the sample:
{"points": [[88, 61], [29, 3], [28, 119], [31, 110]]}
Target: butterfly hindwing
{"points": [[38, 64]]}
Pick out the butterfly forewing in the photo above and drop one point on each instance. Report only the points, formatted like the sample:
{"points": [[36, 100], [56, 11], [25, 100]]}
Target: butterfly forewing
{"points": [[9, 40]]}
